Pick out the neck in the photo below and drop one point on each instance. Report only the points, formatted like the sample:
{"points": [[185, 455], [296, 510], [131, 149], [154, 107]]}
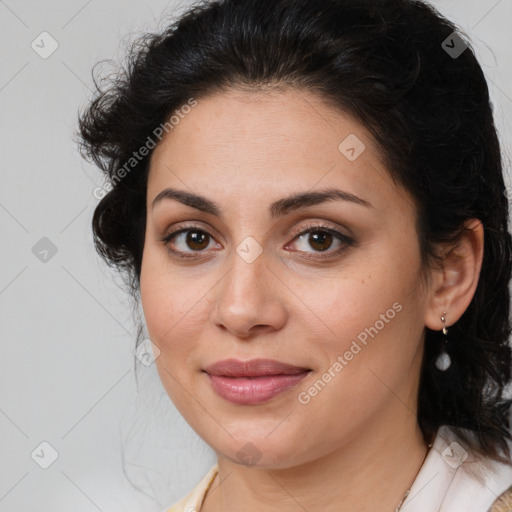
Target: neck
{"points": [[372, 471]]}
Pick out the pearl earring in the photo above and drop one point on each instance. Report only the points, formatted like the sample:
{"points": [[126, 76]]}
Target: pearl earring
{"points": [[443, 361]]}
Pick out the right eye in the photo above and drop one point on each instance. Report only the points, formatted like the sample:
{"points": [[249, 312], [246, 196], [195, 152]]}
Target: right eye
{"points": [[192, 237]]}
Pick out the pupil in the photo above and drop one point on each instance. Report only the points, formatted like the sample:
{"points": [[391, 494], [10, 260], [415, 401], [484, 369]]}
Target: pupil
{"points": [[196, 238], [319, 239]]}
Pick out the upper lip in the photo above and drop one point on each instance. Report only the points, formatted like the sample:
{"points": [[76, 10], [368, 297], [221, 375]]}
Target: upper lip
{"points": [[252, 368]]}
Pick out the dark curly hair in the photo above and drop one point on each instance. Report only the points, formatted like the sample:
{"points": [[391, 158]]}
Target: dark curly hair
{"points": [[387, 63]]}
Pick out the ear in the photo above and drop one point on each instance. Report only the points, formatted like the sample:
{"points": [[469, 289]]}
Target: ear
{"points": [[453, 285]]}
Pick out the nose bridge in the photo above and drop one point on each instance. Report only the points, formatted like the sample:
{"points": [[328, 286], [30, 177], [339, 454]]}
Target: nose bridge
{"points": [[244, 282], [245, 297]]}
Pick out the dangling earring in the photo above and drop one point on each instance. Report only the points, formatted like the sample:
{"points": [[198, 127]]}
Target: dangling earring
{"points": [[443, 361]]}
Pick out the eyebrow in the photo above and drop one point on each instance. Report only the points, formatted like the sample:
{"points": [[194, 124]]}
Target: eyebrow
{"points": [[276, 209]]}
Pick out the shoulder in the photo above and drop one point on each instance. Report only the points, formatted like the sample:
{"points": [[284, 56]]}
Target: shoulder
{"points": [[503, 503], [193, 500], [454, 478], [485, 483]]}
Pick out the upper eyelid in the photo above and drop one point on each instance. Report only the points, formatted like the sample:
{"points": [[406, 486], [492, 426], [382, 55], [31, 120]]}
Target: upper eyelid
{"points": [[310, 225]]}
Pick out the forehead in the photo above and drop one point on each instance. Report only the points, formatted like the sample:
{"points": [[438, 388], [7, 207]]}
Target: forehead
{"points": [[236, 120], [242, 145]]}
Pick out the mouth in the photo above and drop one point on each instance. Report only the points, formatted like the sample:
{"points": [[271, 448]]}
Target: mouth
{"points": [[253, 382]]}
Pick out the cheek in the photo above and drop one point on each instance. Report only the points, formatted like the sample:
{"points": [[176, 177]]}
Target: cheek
{"points": [[167, 310], [159, 299], [340, 307], [165, 313], [175, 308], [372, 316], [162, 296]]}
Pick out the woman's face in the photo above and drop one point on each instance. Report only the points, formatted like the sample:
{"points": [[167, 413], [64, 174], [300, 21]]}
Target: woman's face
{"points": [[243, 283]]}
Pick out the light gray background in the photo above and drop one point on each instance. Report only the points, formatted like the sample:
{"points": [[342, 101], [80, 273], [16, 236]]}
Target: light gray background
{"points": [[67, 335]]}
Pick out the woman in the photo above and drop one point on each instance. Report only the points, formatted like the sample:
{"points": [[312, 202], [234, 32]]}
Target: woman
{"points": [[308, 200]]}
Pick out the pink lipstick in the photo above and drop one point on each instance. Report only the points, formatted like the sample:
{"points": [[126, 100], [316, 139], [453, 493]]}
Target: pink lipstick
{"points": [[253, 382]]}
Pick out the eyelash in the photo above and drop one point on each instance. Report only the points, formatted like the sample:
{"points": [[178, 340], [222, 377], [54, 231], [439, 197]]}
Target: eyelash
{"points": [[303, 230]]}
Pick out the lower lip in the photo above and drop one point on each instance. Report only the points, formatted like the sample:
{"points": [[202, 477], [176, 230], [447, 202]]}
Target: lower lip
{"points": [[255, 390]]}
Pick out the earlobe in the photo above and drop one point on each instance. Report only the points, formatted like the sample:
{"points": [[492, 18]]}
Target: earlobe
{"points": [[455, 283]]}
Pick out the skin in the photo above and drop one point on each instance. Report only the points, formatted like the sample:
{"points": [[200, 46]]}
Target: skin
{"points": [[357, 443]]}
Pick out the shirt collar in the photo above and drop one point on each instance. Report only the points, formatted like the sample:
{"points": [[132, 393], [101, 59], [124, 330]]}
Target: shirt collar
{"points": [[453, 478]]}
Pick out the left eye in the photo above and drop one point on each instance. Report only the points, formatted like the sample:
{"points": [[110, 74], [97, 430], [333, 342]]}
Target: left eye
{"points": [[319, 239]]}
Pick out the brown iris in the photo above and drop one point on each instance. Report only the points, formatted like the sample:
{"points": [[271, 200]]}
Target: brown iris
{"points": [[318, 238], [196, 240]]}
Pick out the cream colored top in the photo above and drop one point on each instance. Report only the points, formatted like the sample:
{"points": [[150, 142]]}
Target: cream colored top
{"points": [[450, 480]]}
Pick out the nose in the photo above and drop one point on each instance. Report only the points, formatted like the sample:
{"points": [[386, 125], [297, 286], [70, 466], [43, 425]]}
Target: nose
{"points": [[250, 299]]}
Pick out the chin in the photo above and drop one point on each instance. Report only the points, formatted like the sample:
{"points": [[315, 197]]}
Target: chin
{"points": [[258, 449]]}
